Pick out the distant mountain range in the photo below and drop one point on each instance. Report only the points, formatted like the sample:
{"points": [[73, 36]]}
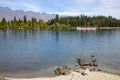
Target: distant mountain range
{"points": [[9, 14]]}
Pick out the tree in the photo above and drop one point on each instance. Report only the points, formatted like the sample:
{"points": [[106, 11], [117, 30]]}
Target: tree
{"points": [[34, 23], [15, 22], [61, 22], [3, 24], [25, 19], [57, 18]]}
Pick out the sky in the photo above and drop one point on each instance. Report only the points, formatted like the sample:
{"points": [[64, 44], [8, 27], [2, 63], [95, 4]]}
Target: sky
{"points": [[67, 7]]}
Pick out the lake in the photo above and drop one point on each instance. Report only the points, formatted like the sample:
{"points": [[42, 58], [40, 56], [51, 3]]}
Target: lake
{"points": [[35, 53]]}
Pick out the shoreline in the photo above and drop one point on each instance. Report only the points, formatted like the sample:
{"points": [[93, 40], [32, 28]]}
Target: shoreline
{"points": [[51, 74], [76, 75], [109, 27], [87, 71], [73, 28], [95, 28]]}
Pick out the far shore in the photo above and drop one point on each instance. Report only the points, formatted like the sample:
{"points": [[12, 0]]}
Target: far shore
{"points": [[109, 27], [95, 28], [72, 28]]}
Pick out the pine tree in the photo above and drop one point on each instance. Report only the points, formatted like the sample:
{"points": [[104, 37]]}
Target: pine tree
{"points": [[3, 24]]}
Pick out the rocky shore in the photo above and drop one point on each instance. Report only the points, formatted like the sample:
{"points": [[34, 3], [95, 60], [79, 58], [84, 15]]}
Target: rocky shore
{"points": [[90, 75], [88, 71]]}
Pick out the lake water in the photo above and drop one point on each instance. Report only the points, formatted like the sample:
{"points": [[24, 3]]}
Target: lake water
{"points": [[34, 53]]}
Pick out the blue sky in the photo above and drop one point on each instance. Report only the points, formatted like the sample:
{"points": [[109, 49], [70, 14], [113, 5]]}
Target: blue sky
{"points": [[67, 7]]}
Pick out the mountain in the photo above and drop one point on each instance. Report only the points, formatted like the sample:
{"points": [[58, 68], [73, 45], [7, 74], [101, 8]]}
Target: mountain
{"points": [[9, 14]]}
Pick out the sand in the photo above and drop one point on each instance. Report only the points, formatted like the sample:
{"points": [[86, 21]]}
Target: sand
{"points": [[78, 76]]}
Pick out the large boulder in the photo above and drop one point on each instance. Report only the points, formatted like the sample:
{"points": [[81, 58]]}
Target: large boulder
{"points": [[62, 71]]}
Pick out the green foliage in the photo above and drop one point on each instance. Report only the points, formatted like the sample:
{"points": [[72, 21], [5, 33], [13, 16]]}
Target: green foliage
{"points": [[60, 22], [25, 19], [87, 21], [57, 18], [15, 23], [3, 24]]}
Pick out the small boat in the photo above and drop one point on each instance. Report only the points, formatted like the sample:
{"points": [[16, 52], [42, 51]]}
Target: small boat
{"points": [[86, 28]]}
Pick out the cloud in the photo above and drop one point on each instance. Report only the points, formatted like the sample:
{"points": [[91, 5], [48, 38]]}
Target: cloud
{"points": [[109, 7], [66, 13], [92, 7], [29, 7], [67, 7], [110, 3], [21, 5], [7, 3]]}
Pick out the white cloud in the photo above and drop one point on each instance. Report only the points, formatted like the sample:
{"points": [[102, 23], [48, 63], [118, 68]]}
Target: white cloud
{"points": [[29, 7], [83, 2], [21, 5], [93, 12], [68, 7], [110, 7], [67, 13], [104, 7], [110, 3], [7, 3]]}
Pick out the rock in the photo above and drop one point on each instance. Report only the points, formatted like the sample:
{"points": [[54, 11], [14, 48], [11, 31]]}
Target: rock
{"points": [[77, 71], [93, 61], [99, 70], [92, 69], [82, 62], [92, 55], [83, 73], [58, 71], [95, 65], [95, 69], [65, 67], [62, 71], [2, 78]]}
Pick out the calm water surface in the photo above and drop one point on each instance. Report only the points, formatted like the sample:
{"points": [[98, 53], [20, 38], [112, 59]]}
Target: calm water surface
{"points": [[34, 53]]}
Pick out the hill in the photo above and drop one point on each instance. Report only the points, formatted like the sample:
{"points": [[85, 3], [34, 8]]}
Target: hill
{"points": [[9, 14]]}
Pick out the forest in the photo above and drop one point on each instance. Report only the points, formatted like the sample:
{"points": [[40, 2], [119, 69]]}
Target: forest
{"points": [[67, 22]]}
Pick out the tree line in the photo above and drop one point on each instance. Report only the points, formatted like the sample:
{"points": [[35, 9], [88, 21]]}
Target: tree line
{"points": [[87, 21], [66, 22]]}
